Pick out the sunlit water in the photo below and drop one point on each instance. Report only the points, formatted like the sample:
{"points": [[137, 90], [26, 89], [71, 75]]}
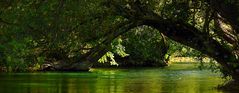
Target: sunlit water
{"points": [[177, 78]]}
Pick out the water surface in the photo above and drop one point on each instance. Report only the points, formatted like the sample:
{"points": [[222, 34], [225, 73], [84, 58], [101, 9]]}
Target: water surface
{"points": [[177, 78]]}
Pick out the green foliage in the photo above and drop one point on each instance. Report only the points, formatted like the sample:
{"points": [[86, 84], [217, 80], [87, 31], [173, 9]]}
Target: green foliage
{"points": [[143, 45], [55, 30], [17, 56], [109, 55], [116, 48], [179, 50], [176, 10]]}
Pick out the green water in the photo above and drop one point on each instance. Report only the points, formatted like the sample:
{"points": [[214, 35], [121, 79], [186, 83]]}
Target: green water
{"points": [[177, 78]]}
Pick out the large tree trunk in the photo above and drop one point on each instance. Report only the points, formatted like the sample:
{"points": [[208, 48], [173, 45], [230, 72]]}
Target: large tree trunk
{"points": [[228, 9], [190, 36], [181, 32]]}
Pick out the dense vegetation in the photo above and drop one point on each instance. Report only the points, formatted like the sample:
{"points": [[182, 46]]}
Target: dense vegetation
{"points": [[74, 35]]}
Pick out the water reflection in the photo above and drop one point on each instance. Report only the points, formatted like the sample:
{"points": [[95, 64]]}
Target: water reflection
{"points": [[174, 79]]}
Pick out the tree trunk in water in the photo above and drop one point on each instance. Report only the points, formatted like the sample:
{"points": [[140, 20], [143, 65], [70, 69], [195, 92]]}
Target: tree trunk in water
{"points": [[98, 51]]}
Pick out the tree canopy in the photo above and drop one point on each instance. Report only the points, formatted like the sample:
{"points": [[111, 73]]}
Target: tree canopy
{"points": [[76, 34]]}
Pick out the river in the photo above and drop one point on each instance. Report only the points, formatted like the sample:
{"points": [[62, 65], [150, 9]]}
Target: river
{"points": [[176, 78]]}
